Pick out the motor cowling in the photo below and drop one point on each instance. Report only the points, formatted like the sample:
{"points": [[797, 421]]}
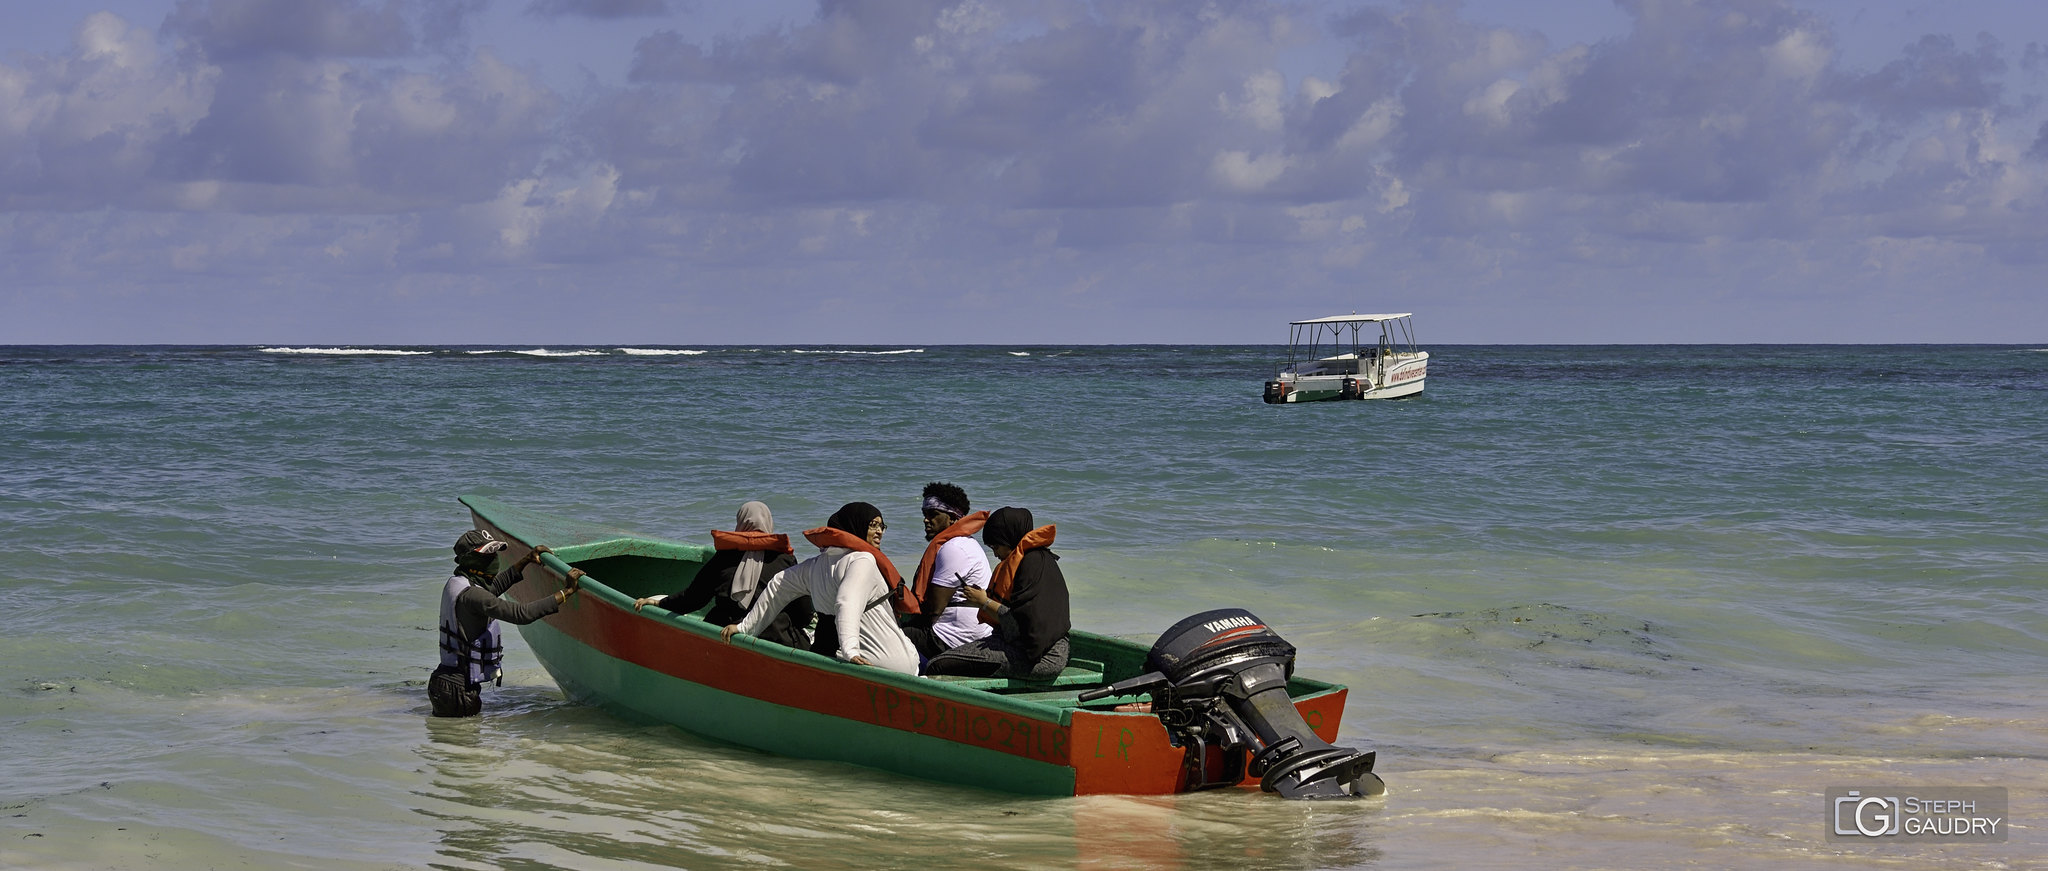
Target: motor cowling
{"points": [[1219, 686], [1276, 392]]}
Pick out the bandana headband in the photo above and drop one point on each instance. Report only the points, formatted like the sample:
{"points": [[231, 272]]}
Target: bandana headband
{"points": [[934, 503]]}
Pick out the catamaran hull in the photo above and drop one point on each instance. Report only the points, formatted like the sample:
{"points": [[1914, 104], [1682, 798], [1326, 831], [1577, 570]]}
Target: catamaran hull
{"points": [[793, 703]]}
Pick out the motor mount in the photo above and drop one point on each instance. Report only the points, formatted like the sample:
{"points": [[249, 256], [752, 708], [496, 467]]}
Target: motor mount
{"points": [[1219, 686]]}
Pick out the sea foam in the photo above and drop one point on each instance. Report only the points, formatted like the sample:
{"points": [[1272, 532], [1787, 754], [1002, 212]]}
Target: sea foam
{"points": [[348, 352]]}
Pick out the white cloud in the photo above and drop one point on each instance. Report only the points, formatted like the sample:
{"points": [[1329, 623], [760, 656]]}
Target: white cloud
{"points": [[1241, 172], [1262, 103], [1801, 55]]}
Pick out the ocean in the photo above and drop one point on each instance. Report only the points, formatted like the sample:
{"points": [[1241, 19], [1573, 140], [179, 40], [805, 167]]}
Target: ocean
{"points": [[1598, 607]]}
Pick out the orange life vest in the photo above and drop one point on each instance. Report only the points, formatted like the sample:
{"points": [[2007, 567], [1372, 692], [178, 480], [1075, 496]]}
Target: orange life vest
{"points": [[826, 536], [1006, 573], [910, 599], [765, 541]]}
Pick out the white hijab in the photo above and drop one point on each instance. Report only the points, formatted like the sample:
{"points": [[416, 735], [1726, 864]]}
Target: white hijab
{"points": [[753, 517]]}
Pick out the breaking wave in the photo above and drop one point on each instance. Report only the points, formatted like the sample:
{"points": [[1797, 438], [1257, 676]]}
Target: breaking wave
{"points": [[348, 352]]}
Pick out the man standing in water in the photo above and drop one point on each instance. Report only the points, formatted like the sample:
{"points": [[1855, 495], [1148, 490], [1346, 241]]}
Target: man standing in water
{"points": [[470, 608]]}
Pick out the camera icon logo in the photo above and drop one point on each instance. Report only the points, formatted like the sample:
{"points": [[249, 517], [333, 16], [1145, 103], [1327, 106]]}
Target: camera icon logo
{"points": [[1871, 816]]}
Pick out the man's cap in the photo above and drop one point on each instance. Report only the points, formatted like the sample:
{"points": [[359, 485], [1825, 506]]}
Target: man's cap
{"points": [[472, 540]]}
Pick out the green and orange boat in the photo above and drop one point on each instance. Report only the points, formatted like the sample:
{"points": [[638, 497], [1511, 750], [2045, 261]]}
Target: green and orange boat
{"points": [[1213, 704]]}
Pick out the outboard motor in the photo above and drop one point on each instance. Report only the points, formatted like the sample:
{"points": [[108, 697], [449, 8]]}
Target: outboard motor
{"points": [[1219, 685], [1276, 393]]}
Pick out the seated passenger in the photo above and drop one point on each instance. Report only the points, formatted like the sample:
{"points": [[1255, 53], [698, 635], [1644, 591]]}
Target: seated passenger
{"points": [[1026, 601], [731, 579], [939, 619], [849, 580]]}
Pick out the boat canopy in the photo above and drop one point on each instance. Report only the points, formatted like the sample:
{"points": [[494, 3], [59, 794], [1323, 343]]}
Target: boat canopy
{"points": [[1352, 319]]}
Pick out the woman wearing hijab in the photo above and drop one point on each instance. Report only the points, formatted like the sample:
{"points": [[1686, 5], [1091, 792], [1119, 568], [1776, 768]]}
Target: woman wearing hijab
{"points": [[732, 578], [1026, 601], [849, 580]]}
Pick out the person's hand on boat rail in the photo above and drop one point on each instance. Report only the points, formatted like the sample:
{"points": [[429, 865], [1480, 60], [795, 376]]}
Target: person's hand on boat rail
{"points": [[532, 556], [562, 595]]}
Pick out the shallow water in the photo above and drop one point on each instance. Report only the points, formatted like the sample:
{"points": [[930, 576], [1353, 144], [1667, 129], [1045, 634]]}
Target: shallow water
{"points": [[1599, 606]]}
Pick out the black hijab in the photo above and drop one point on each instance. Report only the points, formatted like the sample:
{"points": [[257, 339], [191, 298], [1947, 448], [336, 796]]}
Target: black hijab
{"points": [[1006, 527], [853, 518]]}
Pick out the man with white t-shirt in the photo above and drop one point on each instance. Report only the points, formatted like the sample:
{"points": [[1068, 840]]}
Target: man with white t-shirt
{"points": [[952, 559]]}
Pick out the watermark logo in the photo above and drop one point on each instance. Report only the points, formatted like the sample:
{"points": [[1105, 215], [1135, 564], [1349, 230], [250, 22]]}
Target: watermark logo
{"points": [[1949, 814]]}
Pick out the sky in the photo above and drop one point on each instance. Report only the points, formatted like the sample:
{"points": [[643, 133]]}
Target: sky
{"points": [[923, 172]]}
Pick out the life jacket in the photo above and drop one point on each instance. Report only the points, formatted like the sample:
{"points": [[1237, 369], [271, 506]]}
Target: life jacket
{"points": [[766, 541], [478, 658], [826, 536], [749, 541], [910, 599], [1005, 573]]}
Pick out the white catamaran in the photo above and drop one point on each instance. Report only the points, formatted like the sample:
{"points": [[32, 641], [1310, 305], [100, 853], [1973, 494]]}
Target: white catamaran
{"points": [[1390, 370]]}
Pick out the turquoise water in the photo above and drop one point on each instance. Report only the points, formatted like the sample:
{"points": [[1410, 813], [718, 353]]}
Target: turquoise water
{"points": [[1598, 606]]}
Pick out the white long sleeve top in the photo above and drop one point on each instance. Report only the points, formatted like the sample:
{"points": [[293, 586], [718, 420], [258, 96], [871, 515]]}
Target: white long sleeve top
{"points": [[841, 582]]}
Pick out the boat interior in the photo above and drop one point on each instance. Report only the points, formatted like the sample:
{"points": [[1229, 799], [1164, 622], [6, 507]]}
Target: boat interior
{"points": [[1096, 660]]}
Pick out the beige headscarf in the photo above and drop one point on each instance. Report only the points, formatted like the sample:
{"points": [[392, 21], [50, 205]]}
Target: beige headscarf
{"points": [[753, 517]]}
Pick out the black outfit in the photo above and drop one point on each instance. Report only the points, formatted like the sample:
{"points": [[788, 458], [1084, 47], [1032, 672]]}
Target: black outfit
{"points": [[921, 636], [714, 579], [1037, 615], [482, 603], [825, 636], [1031, 625]]}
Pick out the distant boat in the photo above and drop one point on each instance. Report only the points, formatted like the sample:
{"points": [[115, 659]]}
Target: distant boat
{"points": [[1224, 707], [1391, 369]]}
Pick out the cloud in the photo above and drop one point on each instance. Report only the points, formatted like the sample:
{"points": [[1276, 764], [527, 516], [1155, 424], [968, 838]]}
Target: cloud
{"points": [[603, 9], [226, 30], [1934, 75], [84, 129], [117, 122], [369, 139], [2035, 60], [1142, 154], [951, 101]]}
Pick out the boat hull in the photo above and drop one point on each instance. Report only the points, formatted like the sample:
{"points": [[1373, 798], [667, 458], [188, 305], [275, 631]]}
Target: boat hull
{"points": [[1402, 377], [650, 664]]}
